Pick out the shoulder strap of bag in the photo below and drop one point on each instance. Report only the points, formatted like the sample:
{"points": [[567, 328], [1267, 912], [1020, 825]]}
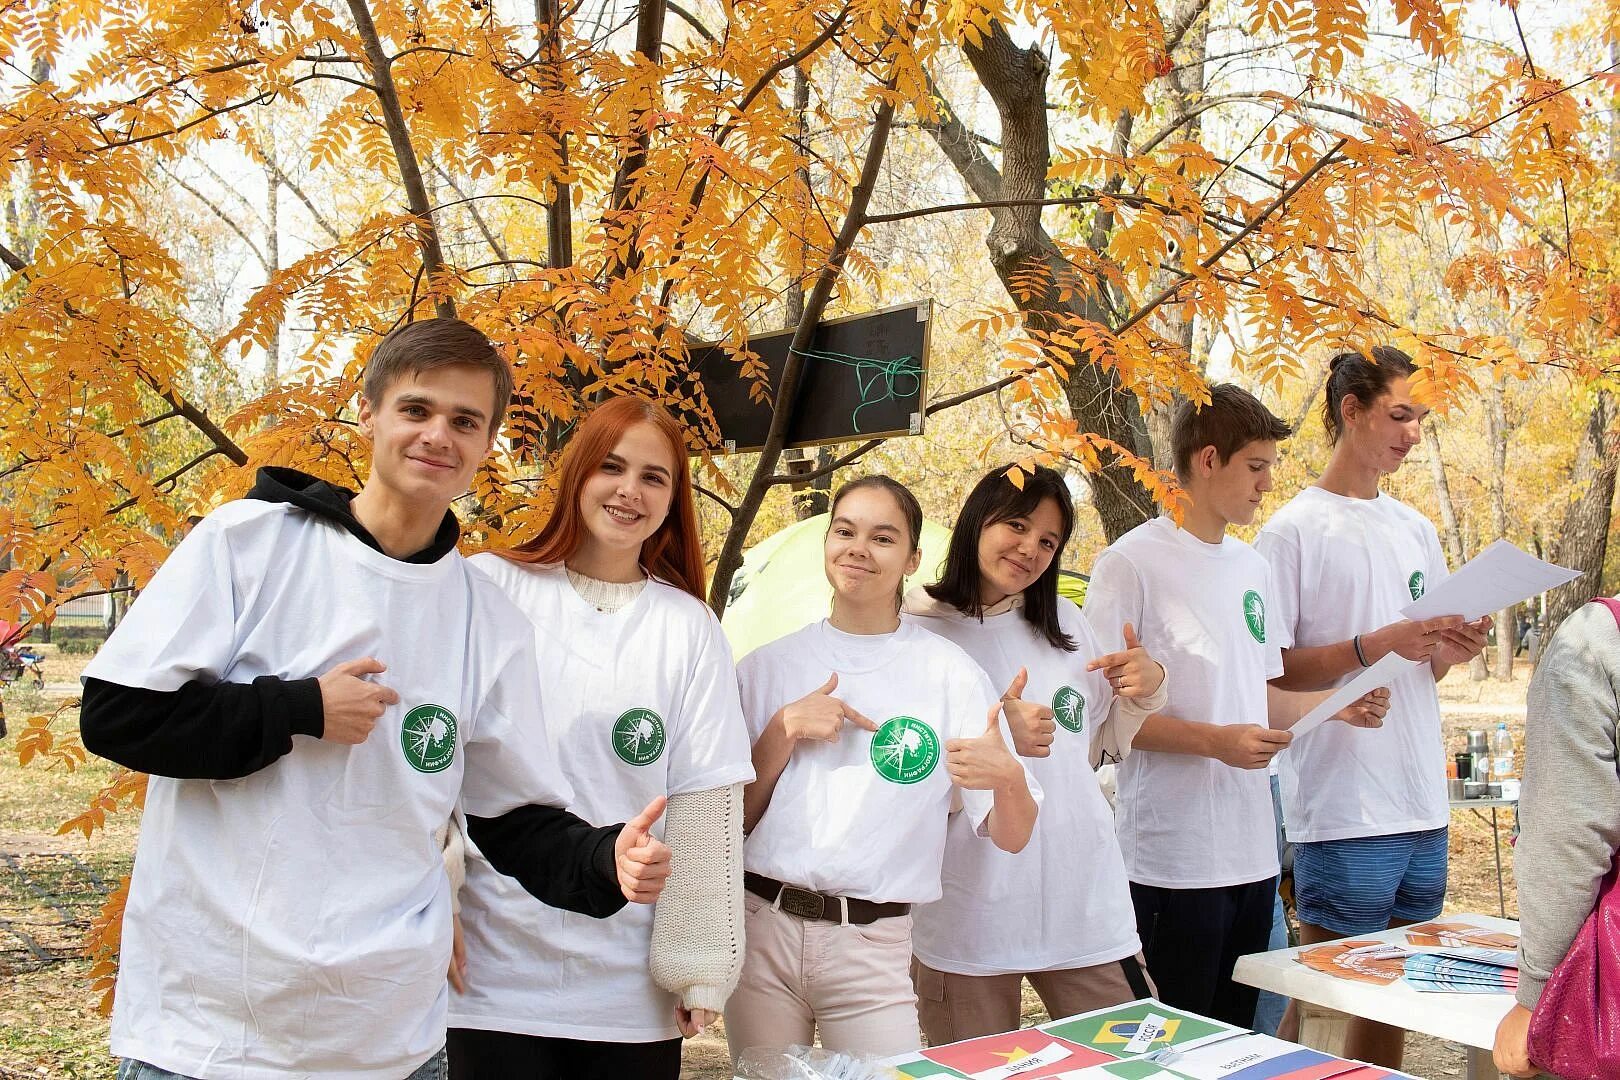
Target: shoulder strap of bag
{"points": [[1612, 604]]}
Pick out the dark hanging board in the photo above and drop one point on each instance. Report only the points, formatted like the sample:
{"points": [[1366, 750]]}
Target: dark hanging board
{"points": [[865, 377]]}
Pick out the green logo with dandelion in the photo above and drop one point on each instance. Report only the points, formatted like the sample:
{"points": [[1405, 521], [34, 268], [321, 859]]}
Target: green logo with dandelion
{"points": [[428, 737], [638, 737], [1415, 584], [905, 750], [1069, 707], [1254, 613]]}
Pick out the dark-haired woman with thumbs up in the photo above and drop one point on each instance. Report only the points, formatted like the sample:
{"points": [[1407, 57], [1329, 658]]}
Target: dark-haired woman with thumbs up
{"points": [[866, 730], [1059, 912]]}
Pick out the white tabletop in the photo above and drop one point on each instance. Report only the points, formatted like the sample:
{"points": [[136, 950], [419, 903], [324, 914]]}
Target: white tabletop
{"points": [[1466, 804], [1469, 1019]]}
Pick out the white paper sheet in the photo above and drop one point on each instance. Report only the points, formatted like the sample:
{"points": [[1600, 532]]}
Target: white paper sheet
{"points": [[1391, 667], [1050, 1054], [1495, 578]]}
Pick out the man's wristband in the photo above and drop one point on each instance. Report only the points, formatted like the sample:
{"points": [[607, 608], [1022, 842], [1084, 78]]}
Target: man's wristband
{"points": [[1361, 657]]}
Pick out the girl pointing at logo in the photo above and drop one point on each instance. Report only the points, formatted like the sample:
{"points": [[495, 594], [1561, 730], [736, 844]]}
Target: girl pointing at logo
{"points": [[1058, 912], [866, 729], [641, 702]]}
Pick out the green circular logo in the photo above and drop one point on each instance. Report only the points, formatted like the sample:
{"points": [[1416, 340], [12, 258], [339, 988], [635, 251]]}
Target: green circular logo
{"points": [[905, 750], [1069, 706], [1254, 613], [638, 737], [428, 737], [1415, 584]]}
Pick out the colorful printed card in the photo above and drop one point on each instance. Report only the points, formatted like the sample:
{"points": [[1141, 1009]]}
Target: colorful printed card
{"points": [[1455, 935], [1017, 1055], [1142, 1027], [1261, 1057]]}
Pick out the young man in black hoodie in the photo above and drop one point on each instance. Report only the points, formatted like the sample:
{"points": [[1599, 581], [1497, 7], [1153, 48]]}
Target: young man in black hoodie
{"points": [[316, 680]]}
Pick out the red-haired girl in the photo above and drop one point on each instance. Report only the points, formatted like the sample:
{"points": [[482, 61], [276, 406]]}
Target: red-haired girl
{"points": [[640, 699]]}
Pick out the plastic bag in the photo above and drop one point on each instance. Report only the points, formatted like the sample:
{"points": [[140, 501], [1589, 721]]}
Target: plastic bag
{"points": [[811, 1063]]}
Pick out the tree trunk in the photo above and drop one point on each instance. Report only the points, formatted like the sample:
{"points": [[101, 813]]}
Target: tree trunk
{"points": [[1582, 541], [1018, 243], [1499, 433], [1450, 531], [810, 497]]}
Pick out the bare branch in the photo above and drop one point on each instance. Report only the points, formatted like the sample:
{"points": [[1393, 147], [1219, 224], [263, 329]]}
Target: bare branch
{"points": [[410, 171], [219, 212], [831, 467]]}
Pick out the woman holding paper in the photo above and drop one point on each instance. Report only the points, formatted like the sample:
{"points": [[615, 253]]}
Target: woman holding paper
{"points": [[1366, 809]]}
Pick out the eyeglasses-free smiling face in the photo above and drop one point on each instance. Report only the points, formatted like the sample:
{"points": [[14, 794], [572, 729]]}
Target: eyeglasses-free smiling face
{"points": [[868, 551], [628, 497], [1383, 433], [1014, 553], [430, 432]]}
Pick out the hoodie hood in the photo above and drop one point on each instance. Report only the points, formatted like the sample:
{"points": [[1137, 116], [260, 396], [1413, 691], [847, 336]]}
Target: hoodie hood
{"points": [[331, 503]]}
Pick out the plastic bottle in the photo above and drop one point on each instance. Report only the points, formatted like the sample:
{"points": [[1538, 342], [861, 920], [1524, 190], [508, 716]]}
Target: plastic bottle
{"points": [[1501, 753]]}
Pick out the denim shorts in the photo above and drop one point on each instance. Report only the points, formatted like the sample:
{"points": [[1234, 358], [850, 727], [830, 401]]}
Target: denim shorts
{"points": [[434, 1068], [1360, 884]]}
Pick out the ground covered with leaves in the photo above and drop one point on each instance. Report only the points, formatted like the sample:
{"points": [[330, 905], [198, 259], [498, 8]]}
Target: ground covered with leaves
{"points": [[52, 885]]}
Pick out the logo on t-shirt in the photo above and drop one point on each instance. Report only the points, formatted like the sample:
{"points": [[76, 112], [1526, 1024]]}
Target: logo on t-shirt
{"points": [[1414, 584], [638, 737], [905, 750], [428, 737], [1070, 708], [1254, 613]]}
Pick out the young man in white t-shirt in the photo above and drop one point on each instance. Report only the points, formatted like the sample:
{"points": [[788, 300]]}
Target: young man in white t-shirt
{"points": [[1194, 802], [316, 681]]}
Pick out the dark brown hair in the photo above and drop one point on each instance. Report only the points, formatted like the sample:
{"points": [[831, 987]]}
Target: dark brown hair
{"points": [[1362, 377], [995, 498], [1233, 419], [909, 506], [435, 343]]}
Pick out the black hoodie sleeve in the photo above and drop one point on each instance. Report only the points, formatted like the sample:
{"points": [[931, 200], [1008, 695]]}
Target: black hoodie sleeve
{"points": [[202, 731], [559, 859]]}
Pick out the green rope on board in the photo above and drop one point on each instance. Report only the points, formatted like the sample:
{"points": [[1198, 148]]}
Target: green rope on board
{"points": [[877, 380]]}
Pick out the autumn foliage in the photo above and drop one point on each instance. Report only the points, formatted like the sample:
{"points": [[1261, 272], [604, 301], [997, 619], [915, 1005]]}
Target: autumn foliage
{"points": [[598, 186]]}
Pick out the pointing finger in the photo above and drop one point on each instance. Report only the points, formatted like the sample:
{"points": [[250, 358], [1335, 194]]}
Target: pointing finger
{"points": [[858, 719]]}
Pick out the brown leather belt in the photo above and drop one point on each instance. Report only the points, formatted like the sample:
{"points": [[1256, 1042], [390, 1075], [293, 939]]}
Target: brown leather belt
{"points": [[807, 904]]}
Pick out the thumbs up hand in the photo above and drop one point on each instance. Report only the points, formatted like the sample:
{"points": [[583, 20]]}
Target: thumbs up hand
{"points": [[1030, 723], [1131, 671], [820, 716], [641, 858], [984, 763]]}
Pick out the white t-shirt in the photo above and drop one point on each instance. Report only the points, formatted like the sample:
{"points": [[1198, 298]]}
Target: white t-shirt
{"points": [[640, 702], [1187, 821], [1062, 902], [1343, 567], [865, 816], [297, 921]]}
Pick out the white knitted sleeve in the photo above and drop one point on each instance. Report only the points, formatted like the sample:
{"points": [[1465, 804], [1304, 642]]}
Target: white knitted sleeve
{"points": [[697, 938], [453, 847]]}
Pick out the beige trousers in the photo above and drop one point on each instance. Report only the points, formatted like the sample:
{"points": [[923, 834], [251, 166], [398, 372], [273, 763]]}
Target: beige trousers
{"points": [[955, 1007], [850, 982]]}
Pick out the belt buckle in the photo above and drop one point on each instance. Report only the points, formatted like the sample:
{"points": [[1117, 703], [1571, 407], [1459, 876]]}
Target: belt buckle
{"points": [[802, 902]]}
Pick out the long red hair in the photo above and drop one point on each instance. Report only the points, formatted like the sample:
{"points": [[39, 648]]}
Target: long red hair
{"points": [[673, 553]]}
